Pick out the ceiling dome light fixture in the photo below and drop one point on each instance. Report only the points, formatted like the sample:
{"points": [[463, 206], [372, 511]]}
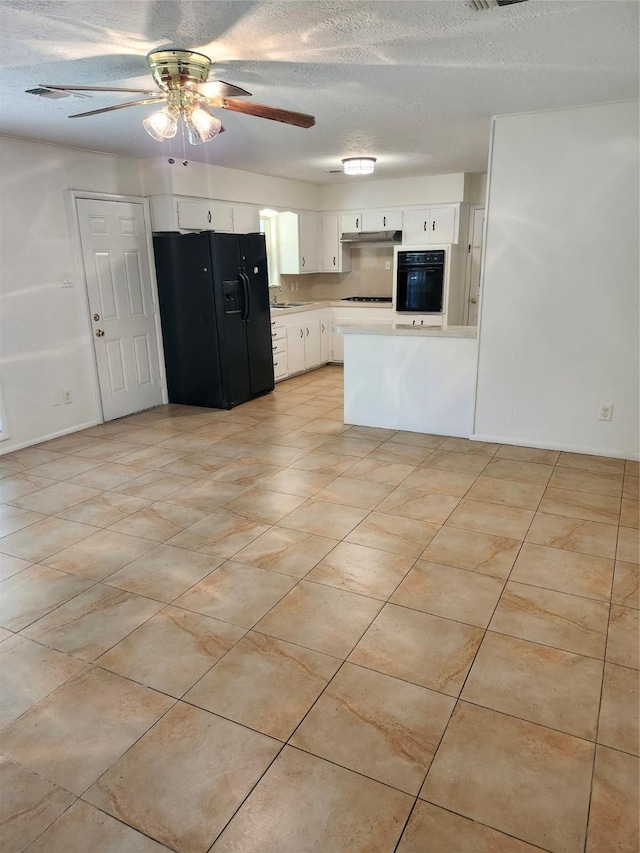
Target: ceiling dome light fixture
{"points": [[358, 165]]}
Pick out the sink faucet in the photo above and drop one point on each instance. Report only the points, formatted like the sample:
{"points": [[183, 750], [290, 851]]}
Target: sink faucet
{"points": [[275, 287]]}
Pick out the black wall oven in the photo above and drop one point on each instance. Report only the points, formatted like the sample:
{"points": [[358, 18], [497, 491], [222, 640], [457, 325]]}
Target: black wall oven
{"points": [[420, 281]]}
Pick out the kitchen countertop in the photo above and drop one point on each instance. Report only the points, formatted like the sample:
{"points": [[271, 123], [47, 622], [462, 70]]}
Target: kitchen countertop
{"points": [[327, 303], [394, 328]]}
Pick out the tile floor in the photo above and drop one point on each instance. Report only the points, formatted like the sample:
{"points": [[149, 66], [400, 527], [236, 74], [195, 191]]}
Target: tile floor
{"points": [[267, 631]]}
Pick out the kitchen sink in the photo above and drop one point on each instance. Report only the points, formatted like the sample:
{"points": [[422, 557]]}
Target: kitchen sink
{"points": [[290, 304]]}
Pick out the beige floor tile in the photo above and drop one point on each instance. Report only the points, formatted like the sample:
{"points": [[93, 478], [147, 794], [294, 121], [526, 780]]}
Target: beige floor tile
{"points": [[354, 493], [172, 650], [351, 446], [10, 566], [287, 551], [552, 618], [595, 464], [75, 734], [418, 439], [517, 777], [243, 473], [196, 465], [619, 711], [16, 486], [505, 521], [27, 806], [295, 481], [392, 533], [506, 492], [520, 472], [44, 538], [628, 545], [358, 568], [419, 505], [431, 828], [400, 453], [630, 513], [548, 686], [275, 454], [84, 828], [265, 683], [527, 454], [23, 460], [109, 475], [379, 471], [613, 820], [623, 643], [158, 521], [626, 580], [376, 725], [28, 673], [465, 445], [219, 534], [573, 534], [585, 505], [207, 495], [13, 519], [99, 555], [104, 509], [198, 795], [325, 463], [327, 426], [478, 552], [463, 463], [69, 443], [631, 488], [322, 519], [321, 618], [92, 622], [287, 812], [586, 481], [33, 592], [263, 506], [152, 458], [107, 450], [371, 433], [236, 593], [564, 571], [65, 467], [420, 648], [155, 485], [304, 440], [164, 573], [453, 593], [632, 467], [440, 482]]}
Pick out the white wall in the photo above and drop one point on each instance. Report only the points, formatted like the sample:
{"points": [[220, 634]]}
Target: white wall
{"points": [[356, 193], [559, 316], [44, 332]]}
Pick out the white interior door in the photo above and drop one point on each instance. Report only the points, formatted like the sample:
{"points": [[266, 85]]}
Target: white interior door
{"points": [[476, 257], [118, 277]]}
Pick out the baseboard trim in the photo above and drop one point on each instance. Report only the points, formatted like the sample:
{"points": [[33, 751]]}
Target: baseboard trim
{"points": [[567, 448], [21, 445]]}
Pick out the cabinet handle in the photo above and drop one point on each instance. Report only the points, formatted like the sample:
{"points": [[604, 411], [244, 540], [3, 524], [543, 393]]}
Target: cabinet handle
{"points": [[274, 348], [307, 332], [302, 333], [424, 227], [273, 322], [433, 225], [323, 327], [275, 363], [303, 262], [273, 334], [209, 215], [357, 224], [334, 261], [384, 220]]}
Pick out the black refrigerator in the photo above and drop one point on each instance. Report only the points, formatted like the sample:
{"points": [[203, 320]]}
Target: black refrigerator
{"points": [[214, 310]]}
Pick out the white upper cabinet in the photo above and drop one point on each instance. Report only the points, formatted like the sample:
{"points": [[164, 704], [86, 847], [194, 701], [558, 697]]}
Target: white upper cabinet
{"points": [[416, 226], [430, 226], [334, 255], [442, 225], [298, 242], [351, 223], [246, 219], [205, 215], [382, 220]]}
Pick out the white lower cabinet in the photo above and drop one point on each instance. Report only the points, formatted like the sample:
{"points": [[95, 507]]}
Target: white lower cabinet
{"points": [[303, 345], [367, 316], [325, 338], [279, 347]]}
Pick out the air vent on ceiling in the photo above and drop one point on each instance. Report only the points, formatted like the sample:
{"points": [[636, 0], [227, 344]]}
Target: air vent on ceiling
{"points": [[483, 5], [42, 92]]}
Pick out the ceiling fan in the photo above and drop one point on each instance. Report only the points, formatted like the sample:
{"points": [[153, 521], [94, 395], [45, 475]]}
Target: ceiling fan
{"points": [[181, 77]]}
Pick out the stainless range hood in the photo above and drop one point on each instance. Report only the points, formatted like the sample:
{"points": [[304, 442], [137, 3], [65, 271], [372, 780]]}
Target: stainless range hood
{"points": [[368, 237]]}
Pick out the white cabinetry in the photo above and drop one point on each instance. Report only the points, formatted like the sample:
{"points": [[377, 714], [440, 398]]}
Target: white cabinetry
{"points": [[303, 344], [350, 223], [279, 347], [436, 226], [416, 226], [345, 314], [325, 337], [179, 213], [246, 219], [335, 256], [382, 220], [205, 215], [298, 242], [442, 225]]}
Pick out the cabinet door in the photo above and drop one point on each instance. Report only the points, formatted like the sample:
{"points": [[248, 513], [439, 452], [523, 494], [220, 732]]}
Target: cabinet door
{"points": [[246, 219], [220, 216], [194, 215], [442, 225], [308, 231], [350, 223], [416, 226], [325, 340], [381, 220], [312, 357], [295, 349], [330, 243]]}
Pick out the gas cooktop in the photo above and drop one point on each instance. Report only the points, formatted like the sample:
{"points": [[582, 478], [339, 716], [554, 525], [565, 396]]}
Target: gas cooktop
{"points": [[366, 299]]}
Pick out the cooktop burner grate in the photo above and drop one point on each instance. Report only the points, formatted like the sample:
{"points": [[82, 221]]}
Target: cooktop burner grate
{"points": [[366, 299]]}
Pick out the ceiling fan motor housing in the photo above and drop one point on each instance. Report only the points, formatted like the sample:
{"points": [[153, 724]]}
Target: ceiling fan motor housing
{"points": [[178, 69]]}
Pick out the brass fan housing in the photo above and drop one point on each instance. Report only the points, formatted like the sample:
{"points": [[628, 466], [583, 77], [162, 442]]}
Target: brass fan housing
{"points": [[178, 69]]}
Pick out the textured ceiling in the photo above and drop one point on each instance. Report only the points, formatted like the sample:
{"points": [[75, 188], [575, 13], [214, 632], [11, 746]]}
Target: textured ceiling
{"points": [[411, 83]]}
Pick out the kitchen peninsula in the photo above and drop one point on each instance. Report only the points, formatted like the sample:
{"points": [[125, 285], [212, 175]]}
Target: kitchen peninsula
{"points": [[415, 378]]}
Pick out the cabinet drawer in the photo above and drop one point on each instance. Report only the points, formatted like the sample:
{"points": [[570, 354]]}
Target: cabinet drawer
{"points": [[279, 345], [278, 332], [280, 365]]}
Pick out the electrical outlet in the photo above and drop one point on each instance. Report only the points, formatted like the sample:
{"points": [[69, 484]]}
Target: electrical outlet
{"points": [[293, 287], [66, 279], [66, 395], [387, 265], [55, 398], [297, 285], [606, 412]]}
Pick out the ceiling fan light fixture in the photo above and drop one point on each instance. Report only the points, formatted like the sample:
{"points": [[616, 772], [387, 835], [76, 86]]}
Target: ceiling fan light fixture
{"points": [[358, 165], [163, 124], [201, 126]]}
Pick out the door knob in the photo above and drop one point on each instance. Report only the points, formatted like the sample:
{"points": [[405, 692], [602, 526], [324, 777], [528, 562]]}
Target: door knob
{"points": [[96, 317], [474, 300], [99, 333]]}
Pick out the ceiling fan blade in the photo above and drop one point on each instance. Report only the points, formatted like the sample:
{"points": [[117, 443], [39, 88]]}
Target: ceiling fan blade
{"points": [[98, 89], [220, 89], [119, 107], [263, 111]]}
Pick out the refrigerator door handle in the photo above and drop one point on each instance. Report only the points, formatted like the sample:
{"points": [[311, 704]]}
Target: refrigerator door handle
{"points": [[247, 296]]}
